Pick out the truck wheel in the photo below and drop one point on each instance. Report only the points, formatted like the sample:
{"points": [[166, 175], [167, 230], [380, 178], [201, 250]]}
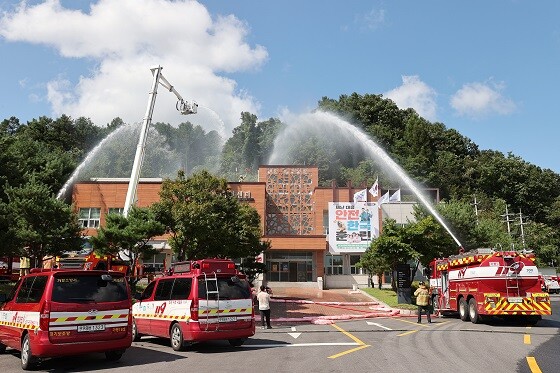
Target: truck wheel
{"points": [[237, 342], [2, 348], [177, 342], [463, 310], [135, 335], [473, 311], [28, 361]]}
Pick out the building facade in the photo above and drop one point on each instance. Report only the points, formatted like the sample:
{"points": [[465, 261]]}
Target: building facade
{"points": [[295, 212]]}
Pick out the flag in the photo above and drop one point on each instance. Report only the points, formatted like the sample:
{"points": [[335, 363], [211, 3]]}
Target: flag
{"points": [[360, 196], [384, 199], [374, 190], [396, 197]]}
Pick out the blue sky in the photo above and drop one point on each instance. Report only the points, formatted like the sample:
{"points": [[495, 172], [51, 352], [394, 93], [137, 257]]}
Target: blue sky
{"points": [[489, 69]]}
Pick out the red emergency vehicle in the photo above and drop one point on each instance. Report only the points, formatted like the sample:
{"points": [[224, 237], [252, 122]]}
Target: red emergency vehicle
{"points": [[91, 261], [201, 300], [54, 313], [9, 268], [486, 282]]}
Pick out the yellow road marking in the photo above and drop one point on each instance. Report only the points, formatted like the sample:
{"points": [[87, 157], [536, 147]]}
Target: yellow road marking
{"points": [[348, 351], [533, 365], [355, 339], [527, 339], [407, 333], [361, 343]]}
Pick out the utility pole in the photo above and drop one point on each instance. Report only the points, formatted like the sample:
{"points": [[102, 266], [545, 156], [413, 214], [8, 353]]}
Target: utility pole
{"points": [[507, 217], [475, 209], [521, 224]]}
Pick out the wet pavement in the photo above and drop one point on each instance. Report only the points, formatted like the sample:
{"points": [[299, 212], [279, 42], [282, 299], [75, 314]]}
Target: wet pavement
{"points": [[306, 305]]}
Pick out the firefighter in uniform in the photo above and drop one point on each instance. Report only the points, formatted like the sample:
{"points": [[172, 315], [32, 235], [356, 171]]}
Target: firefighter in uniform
{"points": [[423, 301]]}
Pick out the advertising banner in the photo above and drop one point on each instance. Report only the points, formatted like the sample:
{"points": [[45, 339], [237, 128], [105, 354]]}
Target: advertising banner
{"points": [[352, 226]]}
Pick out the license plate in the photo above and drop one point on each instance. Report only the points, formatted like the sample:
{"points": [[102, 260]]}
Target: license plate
{"points": [[227, 319], [91, 328], [515, 300]]}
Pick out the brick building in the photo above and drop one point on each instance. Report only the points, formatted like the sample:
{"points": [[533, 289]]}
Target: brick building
{"points": [[294, 213]]}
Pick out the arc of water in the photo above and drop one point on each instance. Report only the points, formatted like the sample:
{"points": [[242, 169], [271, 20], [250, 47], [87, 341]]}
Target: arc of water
{"points": [[222, 131], [370, 145], [91, 154]]}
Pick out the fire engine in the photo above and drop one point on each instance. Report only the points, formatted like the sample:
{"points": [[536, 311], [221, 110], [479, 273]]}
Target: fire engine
{"points": [[486, 282], [93, 261], [9, 268]]}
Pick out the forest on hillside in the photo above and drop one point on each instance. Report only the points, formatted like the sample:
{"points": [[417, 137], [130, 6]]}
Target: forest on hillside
{"points": [[44, 152]]}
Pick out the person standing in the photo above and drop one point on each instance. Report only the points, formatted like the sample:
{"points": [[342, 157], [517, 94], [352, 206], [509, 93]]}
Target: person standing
{"points": [[423, 300], [24, 266], [263, 297]]}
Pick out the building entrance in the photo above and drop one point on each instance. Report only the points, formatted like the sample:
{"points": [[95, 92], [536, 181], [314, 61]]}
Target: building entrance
{"points": [[290, 267]]}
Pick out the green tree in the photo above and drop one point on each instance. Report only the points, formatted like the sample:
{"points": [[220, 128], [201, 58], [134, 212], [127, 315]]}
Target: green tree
{"points": [[40, 223], [205, 220], [392, 248], [128, 237], [374, 263]]}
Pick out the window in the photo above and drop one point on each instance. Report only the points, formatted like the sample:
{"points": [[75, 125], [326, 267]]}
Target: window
{"points": [[32, 289], [148, 290], [181, 288], [354, 259], [88, 288], [116, 210], [89, 217], [334, 264], [228, 288], [163, 289]]}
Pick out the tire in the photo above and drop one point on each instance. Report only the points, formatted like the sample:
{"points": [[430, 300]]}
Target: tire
{"points": [[176, 336], [237, 342], [435, 306], [28, 361], [114, 355], [2, 348], [473, 312], [463, 310], [135, 335]]}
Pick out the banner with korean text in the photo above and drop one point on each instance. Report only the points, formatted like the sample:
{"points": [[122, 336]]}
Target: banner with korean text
{"points": [[352, 226]]}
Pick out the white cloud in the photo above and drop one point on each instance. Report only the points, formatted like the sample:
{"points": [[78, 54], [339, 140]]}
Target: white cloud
{"points": [[372, 20], [127, 37], [416, 94], [479, 99]]}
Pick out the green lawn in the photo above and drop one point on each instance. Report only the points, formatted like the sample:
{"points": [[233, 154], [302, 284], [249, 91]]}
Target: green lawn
{"points": [[389, 297]]}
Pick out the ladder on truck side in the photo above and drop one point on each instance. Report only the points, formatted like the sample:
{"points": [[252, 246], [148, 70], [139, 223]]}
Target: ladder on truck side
{"points": [[214, 281], [512, 280]]}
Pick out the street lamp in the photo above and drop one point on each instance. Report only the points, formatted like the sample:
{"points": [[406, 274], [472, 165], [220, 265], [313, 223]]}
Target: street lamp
{"points": [[182, 106]]}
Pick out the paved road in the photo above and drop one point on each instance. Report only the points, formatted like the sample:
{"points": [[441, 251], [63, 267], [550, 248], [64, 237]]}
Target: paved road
{"points": [[381, 344]]}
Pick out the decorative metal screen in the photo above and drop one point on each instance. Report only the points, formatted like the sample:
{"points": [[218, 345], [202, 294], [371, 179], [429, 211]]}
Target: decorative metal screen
{"points": [[289, 206]]}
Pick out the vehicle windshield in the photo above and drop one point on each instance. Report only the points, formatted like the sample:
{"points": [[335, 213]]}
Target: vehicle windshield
{"points": [[80, 288]]}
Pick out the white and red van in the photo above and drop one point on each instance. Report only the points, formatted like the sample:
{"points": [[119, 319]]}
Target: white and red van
{"points": [[52, 313], [201, 300]]}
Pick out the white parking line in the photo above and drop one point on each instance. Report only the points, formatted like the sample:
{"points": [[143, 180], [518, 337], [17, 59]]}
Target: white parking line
{"points": [[379, 325], [299, 345]]}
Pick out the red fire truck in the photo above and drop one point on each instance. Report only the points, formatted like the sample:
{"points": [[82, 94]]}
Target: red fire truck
{"points": [[486, 282], [91, 261], [9, 268]]}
